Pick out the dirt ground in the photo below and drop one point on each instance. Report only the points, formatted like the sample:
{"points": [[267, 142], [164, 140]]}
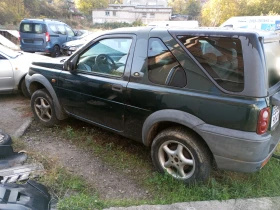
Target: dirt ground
{"points": [[109, 183]]}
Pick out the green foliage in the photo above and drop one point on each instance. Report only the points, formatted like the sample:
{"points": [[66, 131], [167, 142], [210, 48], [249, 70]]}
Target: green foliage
{"points": [[80, 201], [215, 12], [178, 6], [193, 8], [87, 6]]}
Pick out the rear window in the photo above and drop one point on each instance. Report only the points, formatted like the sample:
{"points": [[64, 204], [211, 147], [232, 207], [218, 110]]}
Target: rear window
{"points": [[37, 28], [221, 57], [272, 56]]}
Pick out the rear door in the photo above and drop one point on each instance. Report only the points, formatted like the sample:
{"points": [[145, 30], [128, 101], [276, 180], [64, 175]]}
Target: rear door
{"points": [[6, 74], [70, 34], [62, 34], [32, 36], [272, 56]]}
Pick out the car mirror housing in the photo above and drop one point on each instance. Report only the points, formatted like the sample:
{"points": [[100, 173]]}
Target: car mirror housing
{"points": [[70, 65]]}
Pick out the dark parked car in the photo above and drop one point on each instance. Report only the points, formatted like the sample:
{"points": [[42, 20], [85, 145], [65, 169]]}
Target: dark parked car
{"points": [[194, 96], [44, 35]]}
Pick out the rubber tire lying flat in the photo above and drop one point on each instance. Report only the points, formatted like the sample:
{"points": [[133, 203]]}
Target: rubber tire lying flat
{"points": [[5, 139]]}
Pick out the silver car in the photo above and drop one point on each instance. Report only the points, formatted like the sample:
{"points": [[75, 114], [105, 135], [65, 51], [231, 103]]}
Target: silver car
{"points": [[13, 68]]}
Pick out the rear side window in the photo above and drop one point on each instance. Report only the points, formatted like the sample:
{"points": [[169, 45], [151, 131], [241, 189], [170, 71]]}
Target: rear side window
{"points": [[36, 28], [53, 28], [221, 57], [163, 68], [61, 29], [272, 56]]}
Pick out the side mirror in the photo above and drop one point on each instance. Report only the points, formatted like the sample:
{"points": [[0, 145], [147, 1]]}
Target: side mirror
{"points": [[70, 65]]}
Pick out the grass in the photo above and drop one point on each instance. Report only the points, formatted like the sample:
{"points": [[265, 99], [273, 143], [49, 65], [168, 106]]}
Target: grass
{"points": [[133, 160]]}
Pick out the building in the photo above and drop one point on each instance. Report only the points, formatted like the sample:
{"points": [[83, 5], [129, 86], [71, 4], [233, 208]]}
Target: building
{"points": [[133, 10]]}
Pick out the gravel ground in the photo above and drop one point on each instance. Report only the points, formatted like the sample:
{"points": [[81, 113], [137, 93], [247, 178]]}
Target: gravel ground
{"points": [[109, 183]]}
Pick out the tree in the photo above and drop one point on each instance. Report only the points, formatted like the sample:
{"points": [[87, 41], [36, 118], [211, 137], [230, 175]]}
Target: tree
{"points": [[193, 8], [215, 12], [178, 6], [87, 6]]}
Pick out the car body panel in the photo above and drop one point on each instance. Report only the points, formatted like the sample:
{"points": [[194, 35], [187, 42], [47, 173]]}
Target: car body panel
{"points": [[225, 120], [34, 40]]}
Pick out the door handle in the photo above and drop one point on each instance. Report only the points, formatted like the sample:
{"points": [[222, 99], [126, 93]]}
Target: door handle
{"points": [[116, 87]]}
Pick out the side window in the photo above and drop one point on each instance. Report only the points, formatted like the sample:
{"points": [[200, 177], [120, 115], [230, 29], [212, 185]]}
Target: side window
{"points": [[107, 56], [69, 31], [53, 28], [221, 57], [163, 68], [61, 29]]}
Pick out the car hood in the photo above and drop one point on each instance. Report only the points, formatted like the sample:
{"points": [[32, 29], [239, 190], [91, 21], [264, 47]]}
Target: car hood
{"points": [[23, 61], [75, 43], [52, 63]]}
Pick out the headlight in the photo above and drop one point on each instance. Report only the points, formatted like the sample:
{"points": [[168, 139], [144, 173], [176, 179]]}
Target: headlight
{"points": [[72, 48]]}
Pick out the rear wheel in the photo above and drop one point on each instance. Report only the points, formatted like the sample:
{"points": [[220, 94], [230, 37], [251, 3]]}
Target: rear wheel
{"points": [[23, 88], [56, 51], [43, 108], [182, 155]]}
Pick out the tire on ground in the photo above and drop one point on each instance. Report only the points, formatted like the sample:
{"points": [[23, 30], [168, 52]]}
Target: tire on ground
{"points": [[181, 154], [43, 108], [55, 52]]}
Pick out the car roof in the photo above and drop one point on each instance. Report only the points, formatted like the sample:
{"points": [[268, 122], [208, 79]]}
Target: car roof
{"points": [[41, 21]]}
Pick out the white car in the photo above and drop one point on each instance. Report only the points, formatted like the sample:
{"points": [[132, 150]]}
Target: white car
{"points": [[14, 65]]}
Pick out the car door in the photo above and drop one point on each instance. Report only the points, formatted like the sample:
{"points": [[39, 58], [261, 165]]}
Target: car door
{"points": [[70, 34], [62, 33], [95, 91], [6, 74]]}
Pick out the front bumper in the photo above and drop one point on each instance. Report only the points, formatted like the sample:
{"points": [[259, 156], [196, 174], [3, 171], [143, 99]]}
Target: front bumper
{"points": [[239, 150]]}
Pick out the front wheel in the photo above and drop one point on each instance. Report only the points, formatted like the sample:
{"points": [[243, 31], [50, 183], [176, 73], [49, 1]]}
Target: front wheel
{"points": [[182, 155], [43, 108]]}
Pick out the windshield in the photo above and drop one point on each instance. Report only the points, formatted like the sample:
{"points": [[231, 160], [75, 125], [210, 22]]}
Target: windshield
{"points": [[272, 56], [8, 52]]}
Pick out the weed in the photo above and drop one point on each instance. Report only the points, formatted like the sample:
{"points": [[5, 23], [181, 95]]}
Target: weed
{"points": [[70, 132]]}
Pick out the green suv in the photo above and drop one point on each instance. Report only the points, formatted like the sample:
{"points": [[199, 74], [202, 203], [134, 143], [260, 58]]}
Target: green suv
{"points": [[196, 97]]}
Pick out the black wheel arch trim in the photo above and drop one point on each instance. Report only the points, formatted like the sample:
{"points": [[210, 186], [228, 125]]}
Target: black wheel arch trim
{"points": [[59, 111], [169, 115]]}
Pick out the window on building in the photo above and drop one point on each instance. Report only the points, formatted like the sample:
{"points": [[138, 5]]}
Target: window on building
{"points": [[152, 15], [114, 13], [144, 15], [107, 13], [221, 57], [163, 68]]}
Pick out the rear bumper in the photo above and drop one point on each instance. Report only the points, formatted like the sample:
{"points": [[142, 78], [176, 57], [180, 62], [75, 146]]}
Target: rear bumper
{"points": [[239, 150]]}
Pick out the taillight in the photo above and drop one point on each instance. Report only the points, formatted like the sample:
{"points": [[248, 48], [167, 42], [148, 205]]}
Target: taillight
{"points": [[263, 121], [48, 37], [18, 36]]}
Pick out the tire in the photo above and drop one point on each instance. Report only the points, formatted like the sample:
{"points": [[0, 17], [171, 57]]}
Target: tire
{"points": [[56, 51], [43, 108], [23, 88], [182, 155], [5, 139]]}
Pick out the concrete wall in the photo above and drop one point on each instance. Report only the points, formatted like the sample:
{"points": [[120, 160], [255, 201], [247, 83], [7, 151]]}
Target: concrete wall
{"points": [[128, 13]]}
